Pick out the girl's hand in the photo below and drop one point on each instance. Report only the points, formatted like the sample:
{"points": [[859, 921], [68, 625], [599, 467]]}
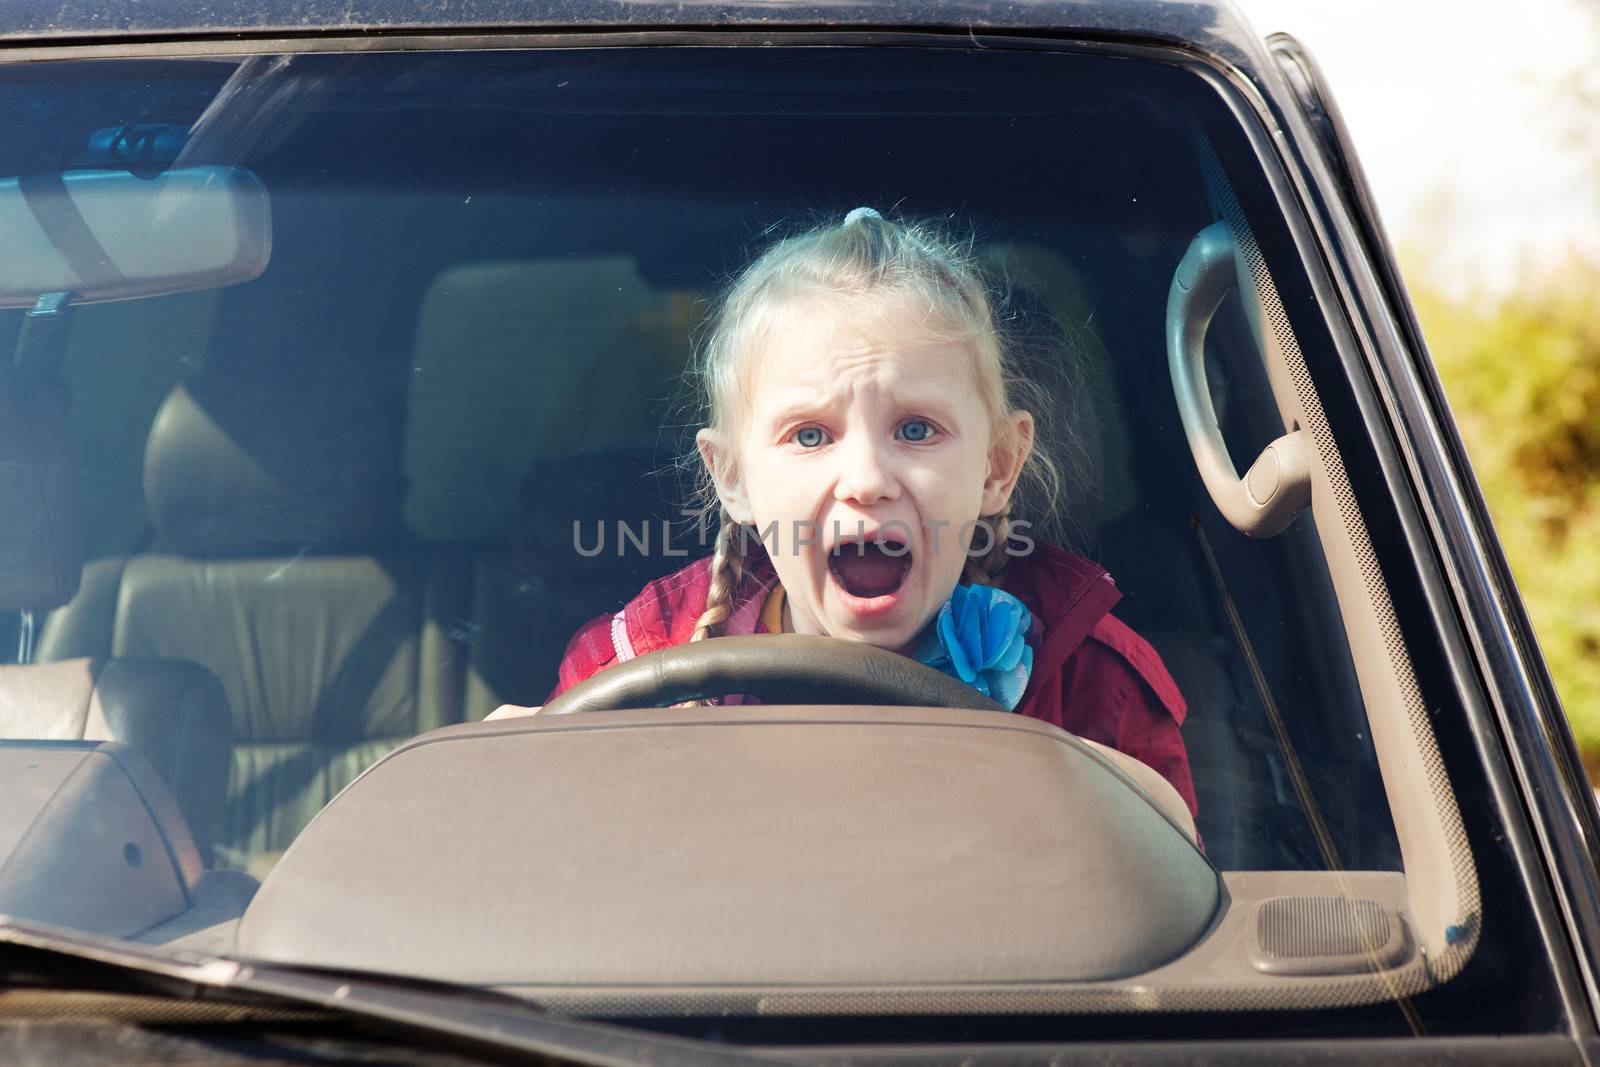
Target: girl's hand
{"points": [[512, 711]]}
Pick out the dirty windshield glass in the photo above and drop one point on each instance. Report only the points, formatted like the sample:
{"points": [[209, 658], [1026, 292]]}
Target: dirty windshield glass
{"points": [[371, 380]]}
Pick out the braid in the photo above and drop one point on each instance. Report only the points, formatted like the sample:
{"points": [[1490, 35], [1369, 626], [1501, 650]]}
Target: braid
{"points": [[727, 574], [993, 564]]}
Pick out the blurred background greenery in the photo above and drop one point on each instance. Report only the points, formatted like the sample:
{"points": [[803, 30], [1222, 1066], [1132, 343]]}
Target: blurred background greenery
{"points": [[1522, 371], [1520, 362], [1479, 128]]}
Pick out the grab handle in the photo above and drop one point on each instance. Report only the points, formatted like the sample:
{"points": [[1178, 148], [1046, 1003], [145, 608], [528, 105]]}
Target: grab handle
{"points": [[1277, 486]]}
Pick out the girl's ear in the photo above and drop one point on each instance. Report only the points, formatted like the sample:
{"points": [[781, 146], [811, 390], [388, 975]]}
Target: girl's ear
{"points": [[1006, 458], [717, 454]]}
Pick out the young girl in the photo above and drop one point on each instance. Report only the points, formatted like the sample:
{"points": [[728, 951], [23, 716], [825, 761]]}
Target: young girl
{"points": [[863, 446]]}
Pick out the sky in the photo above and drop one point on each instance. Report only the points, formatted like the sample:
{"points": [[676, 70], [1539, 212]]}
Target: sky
{"points": [[1461, 120]]}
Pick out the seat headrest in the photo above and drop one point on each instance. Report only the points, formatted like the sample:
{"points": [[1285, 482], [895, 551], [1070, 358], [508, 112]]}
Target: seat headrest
{"points": [[252, 464], [41, 552]]}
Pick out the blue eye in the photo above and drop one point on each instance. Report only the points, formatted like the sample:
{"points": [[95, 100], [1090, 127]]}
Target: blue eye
{"points": [[809, 437], [915, 430]]}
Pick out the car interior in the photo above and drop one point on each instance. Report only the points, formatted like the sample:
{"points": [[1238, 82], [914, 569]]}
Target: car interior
{"points": [[316, 514]]}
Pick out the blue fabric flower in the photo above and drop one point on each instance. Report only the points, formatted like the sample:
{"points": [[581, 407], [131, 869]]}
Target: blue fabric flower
{"points": [[979, 636]]}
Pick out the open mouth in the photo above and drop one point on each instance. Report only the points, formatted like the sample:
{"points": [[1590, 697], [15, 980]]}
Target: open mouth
{"points": [[869, 569]]}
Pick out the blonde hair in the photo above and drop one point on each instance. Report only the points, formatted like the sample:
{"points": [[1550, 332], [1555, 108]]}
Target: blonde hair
{"points": [[867, 257]]}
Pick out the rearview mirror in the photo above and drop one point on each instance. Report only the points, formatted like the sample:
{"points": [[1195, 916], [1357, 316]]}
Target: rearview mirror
{"points": [[112, 235]]}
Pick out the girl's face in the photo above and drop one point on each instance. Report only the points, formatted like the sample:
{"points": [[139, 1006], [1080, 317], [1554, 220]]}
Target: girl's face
{"points": [[867, 445]]}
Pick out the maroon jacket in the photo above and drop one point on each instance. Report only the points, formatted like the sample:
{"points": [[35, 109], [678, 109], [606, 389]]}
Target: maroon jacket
{"points": [[1092, 675]]}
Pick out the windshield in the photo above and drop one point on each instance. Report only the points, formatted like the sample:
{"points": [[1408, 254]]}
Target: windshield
{"points": [[376, 484]]}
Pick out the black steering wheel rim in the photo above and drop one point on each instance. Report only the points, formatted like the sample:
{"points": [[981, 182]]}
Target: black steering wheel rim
{"points": [[775, 669]]}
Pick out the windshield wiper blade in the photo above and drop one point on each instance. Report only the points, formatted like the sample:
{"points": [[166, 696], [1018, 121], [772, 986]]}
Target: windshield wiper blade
{"points": [[480, 1017]]}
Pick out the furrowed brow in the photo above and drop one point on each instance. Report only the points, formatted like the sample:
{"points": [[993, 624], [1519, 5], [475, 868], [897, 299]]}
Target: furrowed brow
{"points": [[802, 405]]}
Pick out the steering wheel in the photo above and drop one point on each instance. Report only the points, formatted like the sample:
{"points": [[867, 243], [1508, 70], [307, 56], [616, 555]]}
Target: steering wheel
{"points": [[774, 668]]}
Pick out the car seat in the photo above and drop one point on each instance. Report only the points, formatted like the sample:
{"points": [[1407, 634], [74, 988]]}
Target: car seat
{"points": [[593, 529], [281, 569], [534, 412], [174, 712]]}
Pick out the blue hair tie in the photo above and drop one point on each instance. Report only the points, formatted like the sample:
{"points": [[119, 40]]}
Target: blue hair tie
{"points": [[859, 213], [980, 637]]}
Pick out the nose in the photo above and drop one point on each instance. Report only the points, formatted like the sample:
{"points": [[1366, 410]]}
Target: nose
{"points": [[864, 477]]}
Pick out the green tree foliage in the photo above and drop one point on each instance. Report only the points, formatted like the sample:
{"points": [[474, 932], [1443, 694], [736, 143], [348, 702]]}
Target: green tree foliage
{"points": [[1522, 371]]}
